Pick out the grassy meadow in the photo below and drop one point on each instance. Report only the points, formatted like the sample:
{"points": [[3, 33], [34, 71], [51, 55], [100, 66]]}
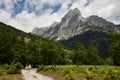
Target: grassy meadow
{"points": [[84, 72], [66, 72]]}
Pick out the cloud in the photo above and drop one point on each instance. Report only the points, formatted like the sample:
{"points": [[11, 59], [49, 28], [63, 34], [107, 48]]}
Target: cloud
{"points": [[4, 16], [107, 9], [27, 14]]}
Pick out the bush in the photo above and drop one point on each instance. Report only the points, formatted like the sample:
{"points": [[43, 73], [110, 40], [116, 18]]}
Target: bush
{"points": [[19, 66], [69, 76], [40, 68], [66, 72], [6, 66], [15, 68], [2, 70], [2, 78]]}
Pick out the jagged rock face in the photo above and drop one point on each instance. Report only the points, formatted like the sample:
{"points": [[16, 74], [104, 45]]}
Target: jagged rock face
{"points": [[98, 21], [39, 31], [73, 24], [46, 31], [73, 16], [70, 25]]}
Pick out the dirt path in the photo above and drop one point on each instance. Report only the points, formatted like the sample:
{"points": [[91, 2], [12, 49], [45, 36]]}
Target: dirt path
{"points": [[33, 75]]}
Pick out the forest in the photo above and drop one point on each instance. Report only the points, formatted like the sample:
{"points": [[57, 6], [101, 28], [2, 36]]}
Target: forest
{"points": [[18, 48]]}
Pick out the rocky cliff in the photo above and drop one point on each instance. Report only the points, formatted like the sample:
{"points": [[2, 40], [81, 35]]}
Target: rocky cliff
{"points": [[73, 24]]}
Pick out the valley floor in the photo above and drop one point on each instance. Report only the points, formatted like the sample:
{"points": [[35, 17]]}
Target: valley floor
{"points": [[68, 72], [72, 72], [61, 76]]}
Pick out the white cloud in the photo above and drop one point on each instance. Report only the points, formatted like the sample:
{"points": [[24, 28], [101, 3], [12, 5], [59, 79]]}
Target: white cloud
{"points": [[107, 9], [52, 2], [25, 21], [4, 16]]}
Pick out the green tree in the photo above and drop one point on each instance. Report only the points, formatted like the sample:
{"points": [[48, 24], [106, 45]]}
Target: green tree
{"points": [[115, 49], [93, 55], [80, 54], [34, 52]]}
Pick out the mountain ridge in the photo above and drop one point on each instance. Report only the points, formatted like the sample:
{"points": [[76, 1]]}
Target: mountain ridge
{"points": [[73, 24]]}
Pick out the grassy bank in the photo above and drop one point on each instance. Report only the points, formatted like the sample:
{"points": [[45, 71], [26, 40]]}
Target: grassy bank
{"points": [[11, 72], [11, 77], [72, 72]]}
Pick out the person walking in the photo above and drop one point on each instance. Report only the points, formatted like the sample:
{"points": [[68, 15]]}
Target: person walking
{"points": [[26, 67], [29, 67]]}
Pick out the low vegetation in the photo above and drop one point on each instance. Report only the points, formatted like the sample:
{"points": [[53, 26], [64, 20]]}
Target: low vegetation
{"points": [[11, 72], [89, 72]]}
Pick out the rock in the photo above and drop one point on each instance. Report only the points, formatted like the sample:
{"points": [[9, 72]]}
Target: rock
{"points": [[73, 24]]}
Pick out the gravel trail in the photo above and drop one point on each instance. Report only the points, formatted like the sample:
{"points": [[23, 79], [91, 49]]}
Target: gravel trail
{"points": [[33, 75]]}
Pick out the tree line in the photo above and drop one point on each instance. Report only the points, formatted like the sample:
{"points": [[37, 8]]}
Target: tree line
{"points": [[17, 46]]}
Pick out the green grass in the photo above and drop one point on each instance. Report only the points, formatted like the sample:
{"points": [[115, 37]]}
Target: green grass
{"points": [[7, 72], [3, 72], [103, 72]]}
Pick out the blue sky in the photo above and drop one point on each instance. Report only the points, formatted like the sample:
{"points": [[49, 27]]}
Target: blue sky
{"points": [[28, 14]]}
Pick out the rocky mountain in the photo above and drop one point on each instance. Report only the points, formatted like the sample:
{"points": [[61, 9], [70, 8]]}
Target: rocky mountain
{"points": [[73, 24], [101, 22]]}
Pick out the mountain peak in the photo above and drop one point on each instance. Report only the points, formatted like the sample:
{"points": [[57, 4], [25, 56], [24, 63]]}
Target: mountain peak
{"points": [[73, 15], [73, 24], [73, 12], [76, 10]]}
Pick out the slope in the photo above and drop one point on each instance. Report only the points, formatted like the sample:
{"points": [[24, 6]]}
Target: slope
{"points": [[18, 46], [103, 40]]}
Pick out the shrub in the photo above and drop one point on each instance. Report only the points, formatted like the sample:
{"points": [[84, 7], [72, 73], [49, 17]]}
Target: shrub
{"points": [[6, 66], [69, 76], [2, 71], [66, 72], [40, 68], [15, 68], [2, 78], [18, 66]]}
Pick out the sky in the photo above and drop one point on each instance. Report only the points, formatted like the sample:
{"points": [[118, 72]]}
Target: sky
{"points": [[28, 14]]}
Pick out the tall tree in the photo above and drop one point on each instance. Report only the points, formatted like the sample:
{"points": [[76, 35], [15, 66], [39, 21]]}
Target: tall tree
{"points": [[80, 54], [115, 49], [93, 54]]}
